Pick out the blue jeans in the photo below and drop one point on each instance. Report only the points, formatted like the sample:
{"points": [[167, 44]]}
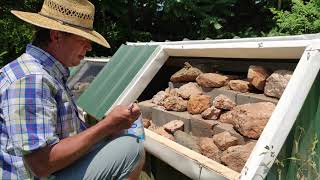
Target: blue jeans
{"points": [[112, 159]]}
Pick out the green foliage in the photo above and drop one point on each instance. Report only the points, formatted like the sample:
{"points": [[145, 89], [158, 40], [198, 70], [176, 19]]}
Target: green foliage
{"points": [[306, 165], [303, 18], [145, 176], [124, 21], [303, 159], [15, 34], [194, 19]]}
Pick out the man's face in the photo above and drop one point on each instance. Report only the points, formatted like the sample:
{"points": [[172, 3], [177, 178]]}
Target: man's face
{"points": [[72, 49]]}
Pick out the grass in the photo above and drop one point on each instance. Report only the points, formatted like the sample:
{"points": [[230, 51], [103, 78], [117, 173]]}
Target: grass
{"points": [[145, 176]]}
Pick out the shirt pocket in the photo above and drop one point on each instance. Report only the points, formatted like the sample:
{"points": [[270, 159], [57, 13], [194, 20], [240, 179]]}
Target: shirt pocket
{"points": [[67, 123]]}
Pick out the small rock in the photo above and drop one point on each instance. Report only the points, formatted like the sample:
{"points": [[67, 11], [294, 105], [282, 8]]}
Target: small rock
{"points": [[164, 133], [235, 157], [174, 126], [198, 103], [146, 122], [80, 87], [257, 76], [175, 103], [209, 149], [226, 117], [223, 102], [225, 140], [212, 80], [188, 90], [186, 74], [211, 113], [159, 98], [277, 82], [171, 91], [239, 85]]}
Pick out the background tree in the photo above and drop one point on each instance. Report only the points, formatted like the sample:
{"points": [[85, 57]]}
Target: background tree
{"points": [[14, 33], [159, 20], [302, 18]]}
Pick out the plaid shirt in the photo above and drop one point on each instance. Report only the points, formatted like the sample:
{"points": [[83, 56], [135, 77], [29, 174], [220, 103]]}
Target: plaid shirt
{"points": [[36, 109]]}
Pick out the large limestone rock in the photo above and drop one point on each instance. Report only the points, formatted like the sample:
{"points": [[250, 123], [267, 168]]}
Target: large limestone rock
{"points": [[188, 90], [277, 82], [175, 103], [198, 103], [235, 157], [239, 85], [186, 74], [250, 119], [257, 76], [209, 149], [159, 98], [223, 102], [212, 80]]}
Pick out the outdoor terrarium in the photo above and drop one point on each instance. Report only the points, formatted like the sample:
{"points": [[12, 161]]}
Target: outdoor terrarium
{"points": [[219, 116], [232, 117]]}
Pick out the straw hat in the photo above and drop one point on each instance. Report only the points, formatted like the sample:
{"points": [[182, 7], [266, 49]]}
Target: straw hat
{"points": [[72, 16]]}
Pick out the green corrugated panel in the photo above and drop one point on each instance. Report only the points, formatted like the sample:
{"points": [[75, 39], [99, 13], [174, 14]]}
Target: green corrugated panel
{"points": [[299, 157], [114, 78]]}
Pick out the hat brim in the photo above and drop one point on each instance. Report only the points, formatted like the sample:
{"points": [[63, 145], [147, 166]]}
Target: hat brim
{"points": [[44, 22]]}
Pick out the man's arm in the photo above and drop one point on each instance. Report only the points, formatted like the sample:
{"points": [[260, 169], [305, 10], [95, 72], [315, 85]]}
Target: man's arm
{"points": [[50, 159]]}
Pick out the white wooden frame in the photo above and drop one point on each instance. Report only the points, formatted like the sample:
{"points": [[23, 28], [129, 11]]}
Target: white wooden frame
{"points": [[284, 115], [282, 118]]}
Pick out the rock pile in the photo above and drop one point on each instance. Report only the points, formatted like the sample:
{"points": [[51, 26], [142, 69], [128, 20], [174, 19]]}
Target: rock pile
{"points": [[236, 127]]}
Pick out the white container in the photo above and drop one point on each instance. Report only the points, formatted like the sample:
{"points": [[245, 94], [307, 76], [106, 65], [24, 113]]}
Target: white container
{"points": [[137, 129]]}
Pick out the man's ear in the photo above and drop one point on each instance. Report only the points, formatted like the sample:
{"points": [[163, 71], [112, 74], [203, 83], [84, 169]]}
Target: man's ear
{"points": [[54, 36]]}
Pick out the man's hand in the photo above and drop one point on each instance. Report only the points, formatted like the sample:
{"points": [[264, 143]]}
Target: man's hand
{"points": [[121, 117]]}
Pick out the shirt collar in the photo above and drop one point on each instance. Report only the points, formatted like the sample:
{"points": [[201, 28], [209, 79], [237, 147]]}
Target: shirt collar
{"points": [[52, 65]]}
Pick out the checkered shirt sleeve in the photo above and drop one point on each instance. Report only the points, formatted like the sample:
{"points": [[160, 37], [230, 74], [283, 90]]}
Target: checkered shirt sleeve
{"points": [[31, 112]]}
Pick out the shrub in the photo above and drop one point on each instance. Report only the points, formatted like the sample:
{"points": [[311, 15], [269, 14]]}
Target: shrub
{"points": [[304, 18]]}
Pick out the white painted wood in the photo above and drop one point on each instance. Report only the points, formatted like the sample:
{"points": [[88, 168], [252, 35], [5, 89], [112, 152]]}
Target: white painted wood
{"points": [[190, 163], [215, 41], [257, 50], [284, 115]]}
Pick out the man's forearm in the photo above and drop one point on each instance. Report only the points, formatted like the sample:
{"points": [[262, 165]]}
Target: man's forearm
{"points": [[48, 160]]}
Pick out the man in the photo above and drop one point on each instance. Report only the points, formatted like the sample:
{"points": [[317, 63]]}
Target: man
{"points": [[41, 133]]}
